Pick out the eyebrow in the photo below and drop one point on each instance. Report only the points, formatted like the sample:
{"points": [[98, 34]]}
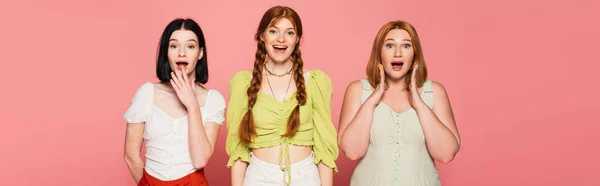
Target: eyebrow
{"points": [[393, 39], [187, 40], [286, 29]]}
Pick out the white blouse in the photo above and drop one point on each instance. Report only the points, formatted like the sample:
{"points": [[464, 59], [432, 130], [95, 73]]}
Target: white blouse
{"points": [[167, 148]]}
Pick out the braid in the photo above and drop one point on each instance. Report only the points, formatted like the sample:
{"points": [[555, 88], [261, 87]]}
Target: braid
{"points": [[294, 120], [247, 129]]}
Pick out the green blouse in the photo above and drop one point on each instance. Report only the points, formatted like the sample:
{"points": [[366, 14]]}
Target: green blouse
{"points": [[270, 117]]}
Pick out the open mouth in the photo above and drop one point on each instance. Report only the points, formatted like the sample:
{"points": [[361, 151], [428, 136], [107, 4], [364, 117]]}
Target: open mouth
{"points": [[397, 65], [181, 64], [280, 49]]}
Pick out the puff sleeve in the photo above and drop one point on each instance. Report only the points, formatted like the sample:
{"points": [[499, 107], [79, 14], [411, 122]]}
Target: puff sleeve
{"points": [[238, 105], [140, 104], [214, 110], [325, 135]]}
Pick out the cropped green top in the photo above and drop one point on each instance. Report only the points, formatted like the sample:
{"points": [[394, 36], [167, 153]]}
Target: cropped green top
{"points": [[270, 117]]}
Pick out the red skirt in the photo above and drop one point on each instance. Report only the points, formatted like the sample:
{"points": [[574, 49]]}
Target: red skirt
{"points": [[193, 179]]}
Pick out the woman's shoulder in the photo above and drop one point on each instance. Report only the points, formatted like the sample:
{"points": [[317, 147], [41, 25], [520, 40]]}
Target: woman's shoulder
{"points": [[242, 74], [317, 76], [145, 89], [435, 86], [240, 77], [215, 94]]}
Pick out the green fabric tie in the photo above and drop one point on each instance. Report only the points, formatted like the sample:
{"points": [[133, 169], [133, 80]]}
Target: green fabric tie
{"points": [[285, 166]]}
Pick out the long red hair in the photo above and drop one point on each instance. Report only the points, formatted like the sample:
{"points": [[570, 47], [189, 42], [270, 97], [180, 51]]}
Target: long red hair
{"points": [[270, 18], [375, 59]]}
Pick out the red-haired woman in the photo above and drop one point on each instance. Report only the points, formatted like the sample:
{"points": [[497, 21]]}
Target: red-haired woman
{"points": [[279, 115], [396, 121]]}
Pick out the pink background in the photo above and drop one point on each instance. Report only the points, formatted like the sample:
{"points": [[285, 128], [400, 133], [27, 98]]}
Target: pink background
{"points": [[521, 76]]}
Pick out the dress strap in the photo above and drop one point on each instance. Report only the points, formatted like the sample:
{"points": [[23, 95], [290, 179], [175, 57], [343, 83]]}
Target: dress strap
{"points": [[427, 94], [366, 90]]}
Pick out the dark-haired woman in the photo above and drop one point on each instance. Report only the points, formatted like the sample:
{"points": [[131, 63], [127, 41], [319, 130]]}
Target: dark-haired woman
{"points": [[178, 117]]}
